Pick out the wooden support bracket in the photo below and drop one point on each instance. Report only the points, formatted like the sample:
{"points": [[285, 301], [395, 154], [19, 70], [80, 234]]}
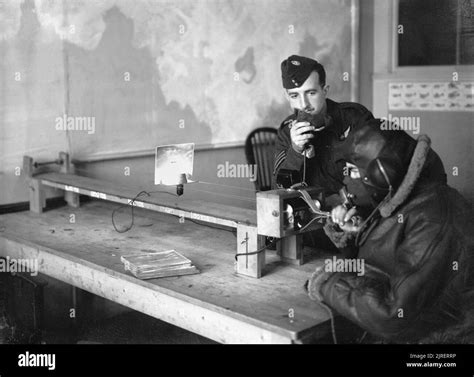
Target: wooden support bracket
{"points": [[248, 241], [37, 197], [35, 188], [291, 248], [71, 198]]}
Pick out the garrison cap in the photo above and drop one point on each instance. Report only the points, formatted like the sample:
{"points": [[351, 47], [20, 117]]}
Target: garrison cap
{"points": [[296, 69]]}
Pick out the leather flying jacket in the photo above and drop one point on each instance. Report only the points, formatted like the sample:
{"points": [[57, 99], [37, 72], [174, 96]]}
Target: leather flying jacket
{"points": [[418, 252]]}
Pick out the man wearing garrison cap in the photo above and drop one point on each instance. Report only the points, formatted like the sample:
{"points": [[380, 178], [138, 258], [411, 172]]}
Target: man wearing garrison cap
{"points": [[315, 126]]}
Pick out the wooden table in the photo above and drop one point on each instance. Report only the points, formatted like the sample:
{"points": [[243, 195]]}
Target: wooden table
{"points": [[217, 303]]}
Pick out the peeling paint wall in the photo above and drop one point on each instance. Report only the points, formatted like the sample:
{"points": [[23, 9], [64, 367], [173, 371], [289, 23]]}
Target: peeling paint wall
{"points": [[142, 73], [31, 94]]}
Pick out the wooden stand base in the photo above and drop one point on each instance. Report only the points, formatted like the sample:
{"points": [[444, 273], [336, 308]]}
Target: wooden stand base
{"points": [[71, 198], [290, 249], [249, 241], [36, 188], [37, 197]]}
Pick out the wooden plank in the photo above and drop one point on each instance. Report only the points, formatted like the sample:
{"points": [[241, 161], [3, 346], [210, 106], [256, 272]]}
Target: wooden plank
{"points": [[92, 242], [159, 202]]}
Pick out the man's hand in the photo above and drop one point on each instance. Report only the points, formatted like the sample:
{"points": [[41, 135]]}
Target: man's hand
{"points": [[299, 139], [345, 218]]}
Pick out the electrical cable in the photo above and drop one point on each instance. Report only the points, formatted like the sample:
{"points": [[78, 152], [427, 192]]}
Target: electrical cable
{"points": [[312, 205], [272, 243], [362, 337], [304, 169], [147, 193], [311, 221], [131, 203], [372, 214], [331, 316]]}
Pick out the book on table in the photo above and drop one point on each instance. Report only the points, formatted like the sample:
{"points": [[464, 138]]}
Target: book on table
{"points": [[159, 264]]}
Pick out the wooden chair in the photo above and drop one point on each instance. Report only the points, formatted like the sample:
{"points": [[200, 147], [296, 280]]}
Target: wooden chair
{"points": [[259, 150]]}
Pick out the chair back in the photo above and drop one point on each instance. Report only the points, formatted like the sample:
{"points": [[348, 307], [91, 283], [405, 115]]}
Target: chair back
{"points": [[259, 150]]}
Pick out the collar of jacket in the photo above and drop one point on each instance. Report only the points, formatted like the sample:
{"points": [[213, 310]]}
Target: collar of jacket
{"points": [[414, 170]]}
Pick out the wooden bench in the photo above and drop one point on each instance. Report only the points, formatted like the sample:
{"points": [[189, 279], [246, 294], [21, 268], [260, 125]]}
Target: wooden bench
{"points": [[243, 220]]}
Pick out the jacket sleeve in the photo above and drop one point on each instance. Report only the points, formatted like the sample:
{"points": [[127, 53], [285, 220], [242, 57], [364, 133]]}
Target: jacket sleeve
{"points": [[285, 156], [386, 305]]}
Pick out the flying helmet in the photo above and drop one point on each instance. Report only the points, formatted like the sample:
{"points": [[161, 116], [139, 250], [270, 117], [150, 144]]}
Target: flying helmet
{"points": [[381, 156]]}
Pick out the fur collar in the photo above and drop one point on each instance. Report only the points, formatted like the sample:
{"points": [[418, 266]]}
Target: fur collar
{"points": [[414, 170]]}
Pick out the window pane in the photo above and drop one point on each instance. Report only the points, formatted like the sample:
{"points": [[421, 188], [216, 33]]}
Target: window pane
{"points": [[467, 32], [437, 32]]}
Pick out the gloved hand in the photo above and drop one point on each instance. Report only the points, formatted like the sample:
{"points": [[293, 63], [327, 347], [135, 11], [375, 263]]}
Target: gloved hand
{"points": [[340, 237], [318, 277], [346, 218]]}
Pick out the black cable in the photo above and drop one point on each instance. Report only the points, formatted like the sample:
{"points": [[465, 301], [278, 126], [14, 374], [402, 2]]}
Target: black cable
{"points": [[312, 221], [131, 203], [304, 168], [272, 243]]}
